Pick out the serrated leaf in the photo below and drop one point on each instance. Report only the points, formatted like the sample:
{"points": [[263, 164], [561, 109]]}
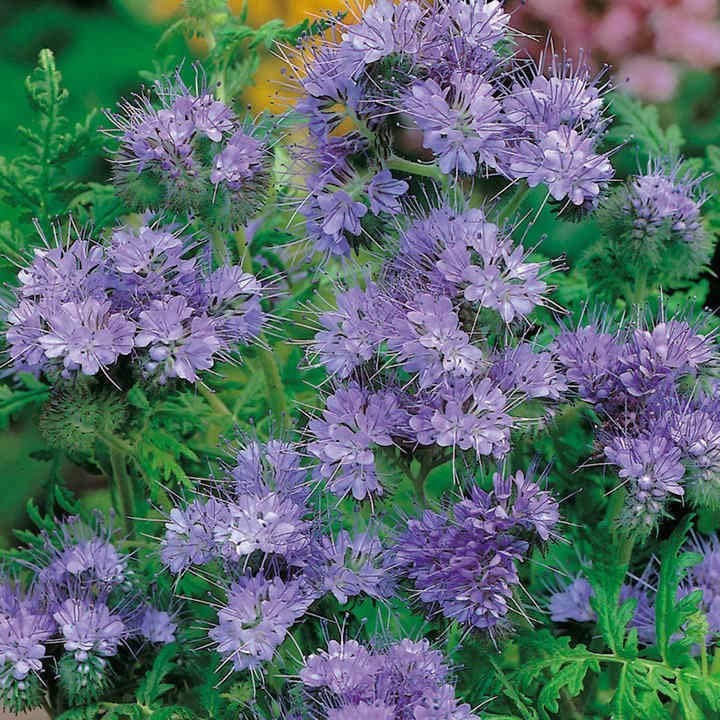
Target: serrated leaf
{"points": [[153, 686]]}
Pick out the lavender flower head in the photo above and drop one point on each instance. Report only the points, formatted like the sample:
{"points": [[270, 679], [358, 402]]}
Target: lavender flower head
{"points": [[463, 563], [84, 308], [256, 619], [190, 153], [404, 681]]}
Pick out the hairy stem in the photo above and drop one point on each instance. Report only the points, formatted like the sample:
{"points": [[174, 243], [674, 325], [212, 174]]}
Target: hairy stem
{"points": [[513, 204], [274, 385], [415, 168], [122, 487]]}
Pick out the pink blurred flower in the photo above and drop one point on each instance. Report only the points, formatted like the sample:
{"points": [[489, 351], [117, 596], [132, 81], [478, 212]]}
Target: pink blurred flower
{"points": [[648, 77], [693, 40]]}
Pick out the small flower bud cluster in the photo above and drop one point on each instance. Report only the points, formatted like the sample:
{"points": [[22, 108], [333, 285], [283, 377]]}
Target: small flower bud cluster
{"points": [[84, 599], [85, 308], [426, 355], [663, 441], [191, 155]]}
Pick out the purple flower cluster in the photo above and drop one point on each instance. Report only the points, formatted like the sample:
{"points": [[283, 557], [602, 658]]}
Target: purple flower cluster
{"points": [[416, 79], [463, 562], [84, 598], [404, 681], [81, 307], [189, 154], [259, 528], [424, 355], [662, 440]]}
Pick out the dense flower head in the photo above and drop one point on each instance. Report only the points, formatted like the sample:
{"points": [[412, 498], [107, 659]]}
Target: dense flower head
{"points": [[85, 308], [427, 342], [257, 617], [432, 81], [189, 152], [407, 680], [659, 435], [81, 605], [463, 562]]}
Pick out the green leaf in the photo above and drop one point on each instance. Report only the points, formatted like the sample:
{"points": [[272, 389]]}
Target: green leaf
{"points": [[152, 687], [639, 125]]}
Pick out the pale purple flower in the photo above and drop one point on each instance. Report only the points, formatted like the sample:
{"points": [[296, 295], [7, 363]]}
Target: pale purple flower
{"points": [[180, 343], [257, 617], [91, 631], [239, 162], [532, 374], [572, 602], [353, 422], [566, 162], [87, 335], [157, 626], [384, 192], [340, 213]]}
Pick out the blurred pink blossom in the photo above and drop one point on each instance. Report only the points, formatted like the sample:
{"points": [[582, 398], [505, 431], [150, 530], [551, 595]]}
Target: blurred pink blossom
{"points": [[647, 42]]}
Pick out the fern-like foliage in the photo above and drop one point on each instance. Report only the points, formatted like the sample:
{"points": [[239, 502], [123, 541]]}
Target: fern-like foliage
{"points": [[37, 183]]}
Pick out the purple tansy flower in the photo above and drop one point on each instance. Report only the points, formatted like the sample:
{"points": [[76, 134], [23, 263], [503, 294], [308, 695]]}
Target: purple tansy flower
{"points": [[25, 329], [340, 213], [353, 422], [557, 94], [591, 361], [670, 349], [650, 467], [572, 602], [566, 162], [383, 192], [385, 28], [472, 415], [149, 261], [242, 158], [353, 332], [441, 704], [269, 524], [274, 466], [233, 301], [464, 562], [24, 633], [346, 669], [180, 343], [429, 341], [482, 24], [87, 335], [257, 617], [532, 374], [461, 124], [190, 534], [354, 565], [91, 633], [65, 273], [157, 626]]}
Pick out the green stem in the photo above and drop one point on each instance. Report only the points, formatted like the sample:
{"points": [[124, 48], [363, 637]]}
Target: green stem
{"points": [[275, 389], [514, 203], [122, 486], [415, 168], [243, 250], [214, 400]]}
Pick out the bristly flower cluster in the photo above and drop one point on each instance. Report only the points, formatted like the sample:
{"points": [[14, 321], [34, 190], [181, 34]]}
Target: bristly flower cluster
{"points": [[275, 556], [662, 438], [463, 561], [85, 599], [407, 680], [86, 308], [435, 81], [432, 354], [188, 153]]}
